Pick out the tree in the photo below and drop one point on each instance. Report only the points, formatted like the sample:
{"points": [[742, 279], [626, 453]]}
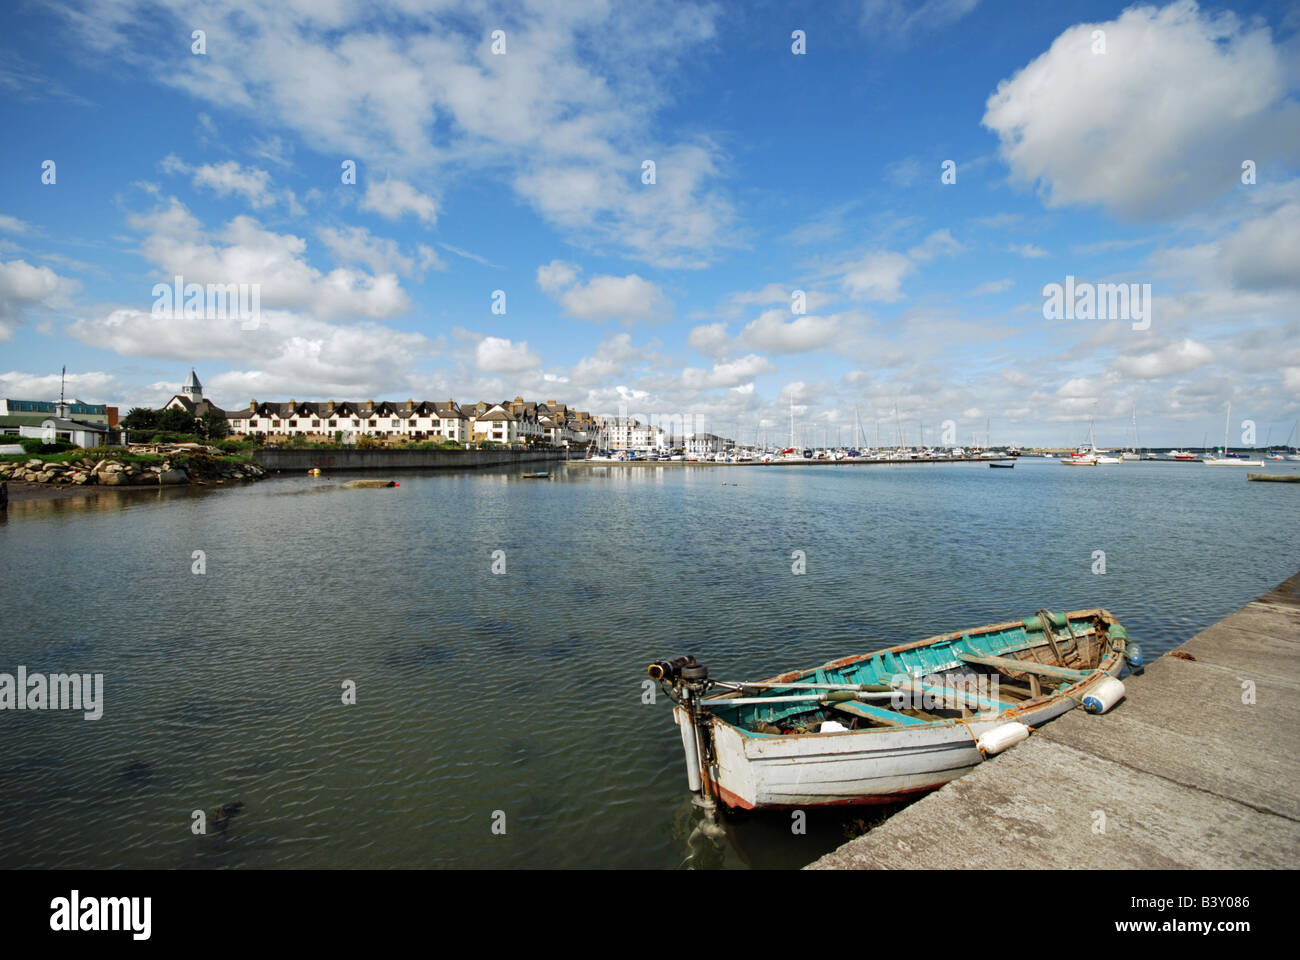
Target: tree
{"points": [[141, 418], [214, 426], [177, 420]]}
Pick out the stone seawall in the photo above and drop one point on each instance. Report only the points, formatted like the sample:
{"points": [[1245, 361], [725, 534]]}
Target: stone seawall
{"points": [[295, 461]]}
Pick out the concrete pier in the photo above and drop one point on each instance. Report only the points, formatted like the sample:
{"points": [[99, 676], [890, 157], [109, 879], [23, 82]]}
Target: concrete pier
{"points": [[1186, 772]]}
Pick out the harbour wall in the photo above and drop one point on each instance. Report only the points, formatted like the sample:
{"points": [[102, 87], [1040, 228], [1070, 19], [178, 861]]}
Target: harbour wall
{"points": [[1198, 767], [297, 461]]}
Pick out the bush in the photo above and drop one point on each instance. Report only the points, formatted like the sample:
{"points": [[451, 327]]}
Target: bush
{"points": [[37, 445]]}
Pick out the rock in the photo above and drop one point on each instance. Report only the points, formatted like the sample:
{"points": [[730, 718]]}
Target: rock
{"points": [[173, 476], [31, 464], [113, 478]]}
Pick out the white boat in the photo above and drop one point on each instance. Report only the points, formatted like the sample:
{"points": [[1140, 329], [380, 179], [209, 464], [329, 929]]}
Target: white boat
{"points": [[1084, 456], [1227, 460], [883, 726]]}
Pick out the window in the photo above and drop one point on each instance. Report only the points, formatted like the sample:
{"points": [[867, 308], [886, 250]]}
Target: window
{"points": [[334, 423], [315, 423]]}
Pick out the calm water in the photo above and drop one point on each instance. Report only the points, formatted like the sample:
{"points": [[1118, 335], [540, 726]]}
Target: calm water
{"points": [[521, 692]]}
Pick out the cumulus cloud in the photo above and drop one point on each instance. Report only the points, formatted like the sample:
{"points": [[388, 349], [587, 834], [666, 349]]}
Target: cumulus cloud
{"points": [[630, 299], [245, 252], [1262, 254], [732, 373], [22, 287], [393, 199], [710, 339], [499, 355], [778, 331], [1176, 358], [564, 119], [226, 178], [1155, 126], [877, 276]]}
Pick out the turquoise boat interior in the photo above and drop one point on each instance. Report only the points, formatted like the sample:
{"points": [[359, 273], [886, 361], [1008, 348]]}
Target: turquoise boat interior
{"points": [[984, 661]]}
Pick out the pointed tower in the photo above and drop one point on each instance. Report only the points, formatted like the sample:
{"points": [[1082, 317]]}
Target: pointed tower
{"points": [[193, 390]]}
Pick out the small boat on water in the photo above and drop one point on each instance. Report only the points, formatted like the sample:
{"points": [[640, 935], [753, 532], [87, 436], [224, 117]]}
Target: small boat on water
{"points": [[880, 727], [1001, 466], [535, 476], [1274, 477]]}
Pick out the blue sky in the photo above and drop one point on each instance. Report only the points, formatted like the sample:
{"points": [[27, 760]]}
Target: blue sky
{"points": [[774, 172]]}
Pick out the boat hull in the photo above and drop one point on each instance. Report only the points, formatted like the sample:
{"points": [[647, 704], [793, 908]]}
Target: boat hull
{"points": [[751, 770]]}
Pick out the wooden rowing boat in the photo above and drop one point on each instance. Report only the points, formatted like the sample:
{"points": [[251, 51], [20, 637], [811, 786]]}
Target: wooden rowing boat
{"points": [[1274, 477], [884, 726]]}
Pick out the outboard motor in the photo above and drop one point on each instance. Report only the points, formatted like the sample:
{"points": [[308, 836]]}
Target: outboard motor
{"points": [[685, 681]]}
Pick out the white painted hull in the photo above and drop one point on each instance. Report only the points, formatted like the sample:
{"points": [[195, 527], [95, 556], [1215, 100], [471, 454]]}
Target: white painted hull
{"points": [[880, 765]]}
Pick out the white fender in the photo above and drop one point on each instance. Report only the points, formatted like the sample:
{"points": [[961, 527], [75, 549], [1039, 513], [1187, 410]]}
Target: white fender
{"points": [[1103, 695], [1002, 736]]}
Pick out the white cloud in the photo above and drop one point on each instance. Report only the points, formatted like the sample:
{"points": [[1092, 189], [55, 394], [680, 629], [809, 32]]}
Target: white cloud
{"points": [[226, 178], [630, 299], [710, 339], [499, 355], [1027, 250], [564, 119], [12, 224], [393, 199], [1262, 254], [244, 252], [993, 286], [1176, 358], [778, 331], [1157, 124], [732, 373], [941, 241], [356, 245], [877, 276], [22, 287], [902, 19]]}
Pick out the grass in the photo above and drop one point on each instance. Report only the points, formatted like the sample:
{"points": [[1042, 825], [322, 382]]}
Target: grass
{"points": [[121, 455]]}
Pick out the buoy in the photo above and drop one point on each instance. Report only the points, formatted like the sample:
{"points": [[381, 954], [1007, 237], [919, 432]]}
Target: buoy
{"points": [[1104, 695], [1002, 736], [1133, 654]]}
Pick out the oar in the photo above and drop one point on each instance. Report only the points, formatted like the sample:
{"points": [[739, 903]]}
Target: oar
{"points": [[834, 696], [862, 687]]}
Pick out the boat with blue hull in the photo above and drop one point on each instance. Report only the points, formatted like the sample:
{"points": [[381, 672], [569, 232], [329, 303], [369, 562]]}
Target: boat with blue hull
{"points": [[884, 726]]}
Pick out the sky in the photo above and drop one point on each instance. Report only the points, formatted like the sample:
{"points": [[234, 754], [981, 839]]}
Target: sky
{"points": [[713, 212]]}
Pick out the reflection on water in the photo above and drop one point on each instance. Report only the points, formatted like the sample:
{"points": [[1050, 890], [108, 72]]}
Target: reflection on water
{"points": [[768, 840], [520, 692]]}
